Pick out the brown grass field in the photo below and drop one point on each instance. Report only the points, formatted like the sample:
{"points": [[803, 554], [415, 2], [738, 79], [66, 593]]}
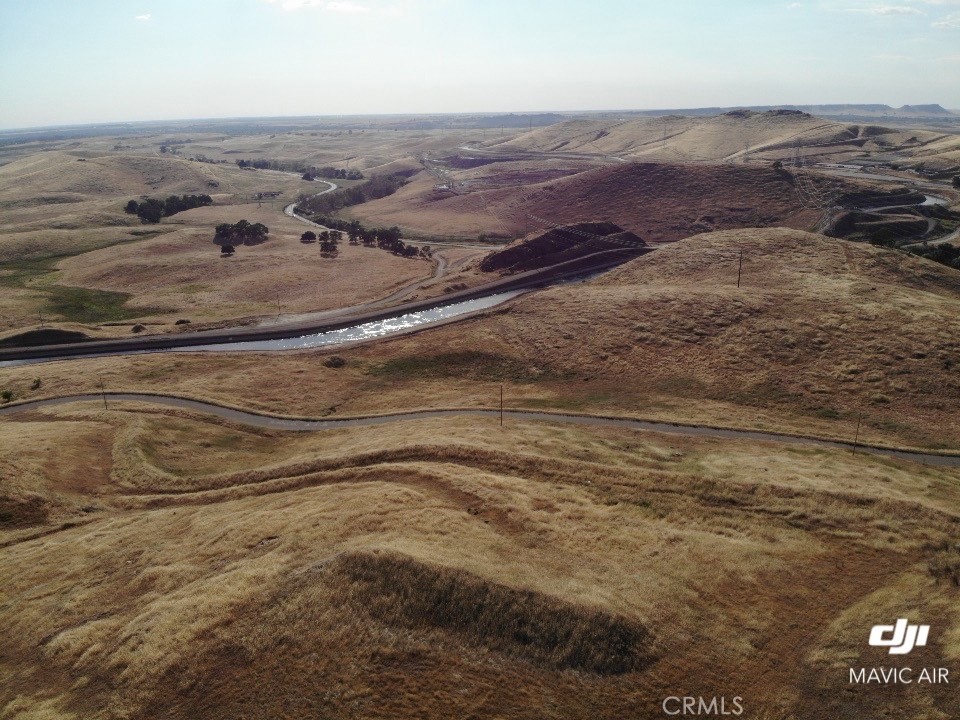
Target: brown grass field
{"points": [[454, 568], [161, 563], [737, 136], [658, 202], [820, 331], [66, 230]]}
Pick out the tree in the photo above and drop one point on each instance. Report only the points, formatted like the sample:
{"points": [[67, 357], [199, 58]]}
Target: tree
{"points": [[328, 244], [226, 250], [956, 181], [240, 232], [778, 164], [308, 237], [150, 211]]}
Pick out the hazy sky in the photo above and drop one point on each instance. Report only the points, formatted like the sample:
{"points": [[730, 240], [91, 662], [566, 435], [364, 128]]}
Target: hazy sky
{"points": [[74, 61]]}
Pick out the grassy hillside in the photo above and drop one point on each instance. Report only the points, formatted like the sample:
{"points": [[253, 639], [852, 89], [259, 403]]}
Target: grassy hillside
{"points": [[733, 136], [70, 254], [204, 569], [658, 202], [820, 333]]}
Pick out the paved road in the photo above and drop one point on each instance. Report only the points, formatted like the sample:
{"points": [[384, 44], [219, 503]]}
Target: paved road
{"points": [[440, 268], [305, 425], [288, 210]]}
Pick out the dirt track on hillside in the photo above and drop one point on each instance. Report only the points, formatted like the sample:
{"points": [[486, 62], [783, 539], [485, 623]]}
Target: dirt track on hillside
{"points": [[307, 425]]}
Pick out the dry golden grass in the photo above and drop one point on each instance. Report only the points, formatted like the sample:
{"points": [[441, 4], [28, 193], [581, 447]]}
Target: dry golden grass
{"points": [[67, 212], [183, 270], [160, 563], [820, 331], [730, 137], [451, 567], [658, 202]]}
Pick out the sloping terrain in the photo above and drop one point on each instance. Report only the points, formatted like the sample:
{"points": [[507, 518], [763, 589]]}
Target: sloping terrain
{"points": [[820, 332], [59, 202], [215, 571], [658, 202], [200, 568], [730, 136], [71, 255], [560, 245]]}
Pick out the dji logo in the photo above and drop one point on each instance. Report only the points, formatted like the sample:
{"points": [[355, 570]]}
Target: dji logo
{"points": [[905, 636]]}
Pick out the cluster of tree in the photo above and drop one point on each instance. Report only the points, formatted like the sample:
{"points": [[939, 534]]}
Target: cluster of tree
{"points": [[241, 233], [376, 187], [383, 238], [309, 172], [256, 164], [152, 209], [332, 173], [947, 254], [329, 240]]}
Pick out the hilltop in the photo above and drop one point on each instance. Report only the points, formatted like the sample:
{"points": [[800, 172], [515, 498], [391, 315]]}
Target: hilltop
{"points": [[561, 244], [473, 568], [819, 331], [734, 135], [657, 201]]}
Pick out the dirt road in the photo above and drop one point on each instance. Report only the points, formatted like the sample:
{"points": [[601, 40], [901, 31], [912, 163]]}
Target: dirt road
{"points": [[309, 425]]}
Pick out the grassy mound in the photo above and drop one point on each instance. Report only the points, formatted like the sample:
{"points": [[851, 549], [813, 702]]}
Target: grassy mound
{"points": [[404, 592]]}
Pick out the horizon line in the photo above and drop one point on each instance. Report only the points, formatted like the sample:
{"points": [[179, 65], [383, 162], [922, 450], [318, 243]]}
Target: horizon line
{"points": [[488, 113]]}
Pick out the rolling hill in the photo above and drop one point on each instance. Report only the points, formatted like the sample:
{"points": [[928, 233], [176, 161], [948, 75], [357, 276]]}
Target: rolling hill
{"points": [[736, 135], [201, 568], [658, 201]]}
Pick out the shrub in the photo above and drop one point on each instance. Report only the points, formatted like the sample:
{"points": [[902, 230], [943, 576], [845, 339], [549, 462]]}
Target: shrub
{"points": [[334, 361], [241, 232], [151, 209], [6, 395], [35, 385], [946, 566]]}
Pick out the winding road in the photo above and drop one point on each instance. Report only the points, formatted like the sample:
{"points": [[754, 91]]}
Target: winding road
{"points": [[440, 268], [276, 422]]}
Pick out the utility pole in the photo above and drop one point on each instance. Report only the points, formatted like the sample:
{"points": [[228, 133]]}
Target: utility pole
{"points": [[740, 269], [103, 393], [501, 405], [856, 437], [278, 306]]}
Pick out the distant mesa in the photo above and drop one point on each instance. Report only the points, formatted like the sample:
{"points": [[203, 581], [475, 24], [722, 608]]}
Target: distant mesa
{"points": [[779, 112], [934, 109], [562, 244]]}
